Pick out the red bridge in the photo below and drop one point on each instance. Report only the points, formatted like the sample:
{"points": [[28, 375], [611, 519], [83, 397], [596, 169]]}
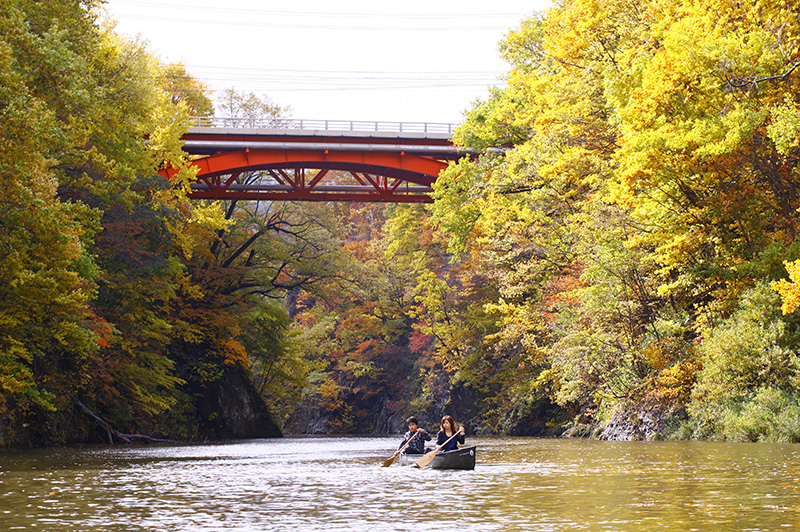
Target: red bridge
{"points": [[317, 160]]}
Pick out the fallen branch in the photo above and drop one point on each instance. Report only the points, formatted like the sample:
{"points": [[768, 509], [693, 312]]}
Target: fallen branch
{"points": [[110, 431]]}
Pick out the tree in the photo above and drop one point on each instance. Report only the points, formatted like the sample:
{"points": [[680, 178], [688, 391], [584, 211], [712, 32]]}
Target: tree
{"points": [[92, 234], [234, 104], [642, 145], [183, 88]]}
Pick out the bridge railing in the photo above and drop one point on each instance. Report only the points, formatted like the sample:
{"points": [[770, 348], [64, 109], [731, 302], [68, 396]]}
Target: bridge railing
{"points": [[329, 125]]}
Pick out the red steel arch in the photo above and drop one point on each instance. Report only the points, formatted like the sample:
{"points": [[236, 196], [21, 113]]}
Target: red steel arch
{"points": [[314, 167]]}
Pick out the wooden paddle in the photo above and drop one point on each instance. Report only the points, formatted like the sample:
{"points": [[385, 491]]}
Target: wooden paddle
{"points": [[388, 462], [427, 458]]}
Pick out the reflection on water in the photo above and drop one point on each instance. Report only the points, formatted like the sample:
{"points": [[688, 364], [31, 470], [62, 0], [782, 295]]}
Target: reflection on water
{"points": [[337, 484]]}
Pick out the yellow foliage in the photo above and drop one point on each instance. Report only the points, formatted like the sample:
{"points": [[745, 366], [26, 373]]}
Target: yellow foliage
{"points": [[789, 291], [679, 116], [676, 382], [656, 357], [329, 390]]}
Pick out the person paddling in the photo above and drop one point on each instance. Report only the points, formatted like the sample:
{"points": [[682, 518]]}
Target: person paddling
{"points": [[447, 432], [417, 445]]}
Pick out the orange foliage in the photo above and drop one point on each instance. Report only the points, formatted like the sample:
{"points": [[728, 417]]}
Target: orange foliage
{"points": [[232, 352], [562, 291], [101, 329], [363, 353]]}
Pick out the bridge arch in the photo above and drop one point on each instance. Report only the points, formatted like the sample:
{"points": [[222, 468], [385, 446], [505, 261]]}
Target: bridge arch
{"points": [[316, 165]]}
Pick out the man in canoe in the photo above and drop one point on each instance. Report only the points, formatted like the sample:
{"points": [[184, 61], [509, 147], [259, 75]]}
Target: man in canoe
{"points": [[419, 435], [445, 436]]}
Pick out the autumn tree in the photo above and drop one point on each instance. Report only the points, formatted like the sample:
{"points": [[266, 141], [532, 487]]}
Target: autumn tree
{"points": [[97, 231], [636, 178], [184, 89]]}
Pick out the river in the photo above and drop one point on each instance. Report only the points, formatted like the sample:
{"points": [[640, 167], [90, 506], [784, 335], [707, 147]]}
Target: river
{"points": [[337, 484]]}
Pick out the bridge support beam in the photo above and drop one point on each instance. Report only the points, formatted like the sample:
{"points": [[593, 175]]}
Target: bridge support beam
{"points": [[303, 176], [303, 165]]}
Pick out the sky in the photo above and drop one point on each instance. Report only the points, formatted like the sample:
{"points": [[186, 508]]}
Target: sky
{"points": [[371, 60]]}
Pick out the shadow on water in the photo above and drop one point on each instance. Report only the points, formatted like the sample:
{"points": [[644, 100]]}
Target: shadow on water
{"points": [[338, 484]]}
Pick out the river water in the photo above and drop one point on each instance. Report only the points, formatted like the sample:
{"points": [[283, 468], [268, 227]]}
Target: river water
{"points": [[338, 484]]}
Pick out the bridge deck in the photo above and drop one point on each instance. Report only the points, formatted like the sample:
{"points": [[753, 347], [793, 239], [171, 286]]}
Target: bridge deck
{"points": [[209, 140]]}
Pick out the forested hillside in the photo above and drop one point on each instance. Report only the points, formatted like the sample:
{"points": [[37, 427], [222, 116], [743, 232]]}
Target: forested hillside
{"points": [[114, 316], [619, 259], [613, 258], [645, 201]]}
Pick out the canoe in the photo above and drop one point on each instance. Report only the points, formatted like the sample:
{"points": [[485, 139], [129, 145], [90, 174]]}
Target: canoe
{"points": [[463, 458]]}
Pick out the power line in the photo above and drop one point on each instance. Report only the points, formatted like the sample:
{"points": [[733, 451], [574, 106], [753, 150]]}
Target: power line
{"points": [[353, 85], [342, 83], [261, 89], [342, 77], [366, 72], [329, 14], [316, 20], [307, 80], [323, 26]]}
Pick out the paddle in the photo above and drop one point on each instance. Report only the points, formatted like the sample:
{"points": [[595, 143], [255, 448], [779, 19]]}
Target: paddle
{"points": [[428, 457], [388, 462]]}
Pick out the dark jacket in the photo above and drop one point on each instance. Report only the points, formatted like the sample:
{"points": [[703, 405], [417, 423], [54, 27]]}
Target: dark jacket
{"points": [[452, 445], [417, 445]]}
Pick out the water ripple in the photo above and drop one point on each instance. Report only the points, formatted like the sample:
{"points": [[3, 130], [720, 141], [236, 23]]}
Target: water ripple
{"points": [[337, 484]]}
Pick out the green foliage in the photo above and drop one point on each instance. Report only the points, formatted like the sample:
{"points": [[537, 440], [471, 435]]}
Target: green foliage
{"points": [[184, 89], [455, 209], [747, 350], [279, 362], [767, 414], [44, 319], [91, 240], [746, 390]]}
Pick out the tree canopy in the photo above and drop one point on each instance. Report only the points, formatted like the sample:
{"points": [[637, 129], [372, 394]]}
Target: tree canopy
{"points": [[648, 187], [621, 246]]}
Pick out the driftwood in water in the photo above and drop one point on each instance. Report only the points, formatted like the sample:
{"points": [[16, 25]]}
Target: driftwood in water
{"points": [[110, 431]]}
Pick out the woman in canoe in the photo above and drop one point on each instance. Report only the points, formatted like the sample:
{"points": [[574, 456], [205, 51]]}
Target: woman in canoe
{"points": [[448, 429]]}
